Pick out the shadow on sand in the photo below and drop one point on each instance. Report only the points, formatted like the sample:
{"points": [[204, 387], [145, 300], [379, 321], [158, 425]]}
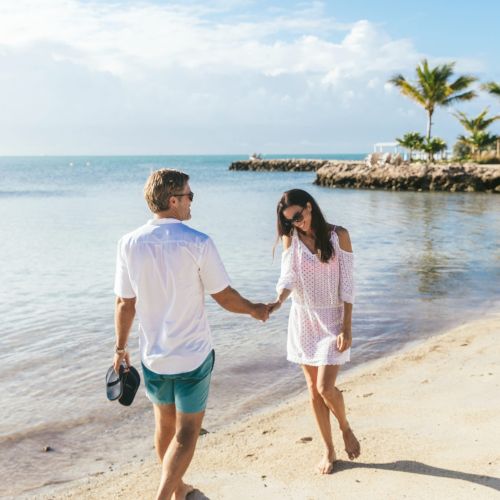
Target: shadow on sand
{"points": [[420, 468], [197, 495]]}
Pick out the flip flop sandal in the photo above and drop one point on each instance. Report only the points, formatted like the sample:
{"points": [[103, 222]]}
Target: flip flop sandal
{"points": [[114, 383], [131, 382]]}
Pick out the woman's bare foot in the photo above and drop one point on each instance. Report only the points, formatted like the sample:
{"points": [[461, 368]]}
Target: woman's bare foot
{"points": [[352, 447], [326, 464], [182, 491]]}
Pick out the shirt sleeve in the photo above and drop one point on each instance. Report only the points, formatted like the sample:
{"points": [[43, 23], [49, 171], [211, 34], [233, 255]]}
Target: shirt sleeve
{"points": [[212, 271], [123, 286], [346, 264], [287, 275]]}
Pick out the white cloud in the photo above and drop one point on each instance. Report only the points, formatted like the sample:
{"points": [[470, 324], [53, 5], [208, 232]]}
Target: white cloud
{"points": [[388, 88], [162, 77], [129, 39]]}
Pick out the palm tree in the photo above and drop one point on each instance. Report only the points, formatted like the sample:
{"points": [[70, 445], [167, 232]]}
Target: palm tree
{"points": [[411, 141], [478, 124], [492, 87], [433, 146], [433, 88], [478, 141]]}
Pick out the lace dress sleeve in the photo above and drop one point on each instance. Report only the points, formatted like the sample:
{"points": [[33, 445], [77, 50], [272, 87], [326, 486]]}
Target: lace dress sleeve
{"points": [[346, 265], [287, 277]]}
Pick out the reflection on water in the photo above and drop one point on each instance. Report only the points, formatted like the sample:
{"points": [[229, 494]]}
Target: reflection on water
{"points": [[432, 266], [452, 232], [423, 262]]}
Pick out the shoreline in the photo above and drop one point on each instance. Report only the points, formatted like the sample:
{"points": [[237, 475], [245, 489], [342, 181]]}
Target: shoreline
{"points": [[448, 377]]}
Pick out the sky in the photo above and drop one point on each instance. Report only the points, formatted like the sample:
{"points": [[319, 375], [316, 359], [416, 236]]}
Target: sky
{"points": [[80, 77]]}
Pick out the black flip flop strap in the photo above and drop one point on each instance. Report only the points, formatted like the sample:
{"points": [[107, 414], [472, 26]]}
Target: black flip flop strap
{"points": [[110, 384]]}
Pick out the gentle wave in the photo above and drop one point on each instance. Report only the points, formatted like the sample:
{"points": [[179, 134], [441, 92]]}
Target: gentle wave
{"points": [[37, 193], [49, 428]]}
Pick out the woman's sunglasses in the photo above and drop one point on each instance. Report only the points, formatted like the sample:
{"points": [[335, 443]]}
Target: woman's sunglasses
{"points": [[298, 217], [190, 194]]}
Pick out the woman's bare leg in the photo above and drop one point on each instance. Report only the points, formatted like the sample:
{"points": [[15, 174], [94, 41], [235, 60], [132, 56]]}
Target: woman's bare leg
{"points": [[325, 385], [322, 415]]}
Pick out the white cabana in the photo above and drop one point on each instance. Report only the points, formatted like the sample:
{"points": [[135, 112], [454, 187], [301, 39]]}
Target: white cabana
{"points": [[383, 147]]}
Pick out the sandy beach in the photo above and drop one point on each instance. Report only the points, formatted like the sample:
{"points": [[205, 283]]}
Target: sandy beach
{"points": [[427, 419]]}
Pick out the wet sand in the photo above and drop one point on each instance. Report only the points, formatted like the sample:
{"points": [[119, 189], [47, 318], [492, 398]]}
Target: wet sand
{"points": [[427, 420]]}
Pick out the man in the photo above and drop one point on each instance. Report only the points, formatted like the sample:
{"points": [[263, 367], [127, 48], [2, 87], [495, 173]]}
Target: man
{"points": [[163, 270]]}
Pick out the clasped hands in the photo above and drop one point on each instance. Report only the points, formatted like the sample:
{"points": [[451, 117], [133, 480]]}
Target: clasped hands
{"points": [[263, 311]]}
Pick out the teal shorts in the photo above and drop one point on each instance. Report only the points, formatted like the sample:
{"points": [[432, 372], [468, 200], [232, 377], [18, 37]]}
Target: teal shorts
{"points": [[188, 391]]}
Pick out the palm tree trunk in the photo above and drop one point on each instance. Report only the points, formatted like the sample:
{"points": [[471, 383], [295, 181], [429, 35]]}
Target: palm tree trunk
{"points": [[429, 124]]}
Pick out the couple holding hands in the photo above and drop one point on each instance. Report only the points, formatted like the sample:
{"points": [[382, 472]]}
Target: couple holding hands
{"points": [[163, 270]]}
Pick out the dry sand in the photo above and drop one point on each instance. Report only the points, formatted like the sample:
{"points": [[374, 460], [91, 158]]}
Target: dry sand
{"points": [[428, 420]]}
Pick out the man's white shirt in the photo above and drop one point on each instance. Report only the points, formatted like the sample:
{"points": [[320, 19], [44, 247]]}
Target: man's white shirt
{"points": [[169, 267]]}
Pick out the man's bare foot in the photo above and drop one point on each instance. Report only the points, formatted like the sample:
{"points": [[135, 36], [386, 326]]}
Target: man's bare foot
{"points": [[326, 464], [182, 491], [352, 447]]}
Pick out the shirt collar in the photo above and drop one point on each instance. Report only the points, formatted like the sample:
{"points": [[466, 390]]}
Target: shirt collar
{"points": [[166, 220]]}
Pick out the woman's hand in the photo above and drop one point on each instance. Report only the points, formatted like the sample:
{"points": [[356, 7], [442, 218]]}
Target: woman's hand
{"points": [[274, 306], [344, 339]]}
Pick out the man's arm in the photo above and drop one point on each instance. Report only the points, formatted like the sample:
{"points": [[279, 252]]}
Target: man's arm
{"points": [[233, 302], [124, 317]]}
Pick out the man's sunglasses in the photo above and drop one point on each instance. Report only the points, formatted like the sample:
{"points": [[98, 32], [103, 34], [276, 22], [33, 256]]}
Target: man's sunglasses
{"points": [[190, 195], [298, 217]]}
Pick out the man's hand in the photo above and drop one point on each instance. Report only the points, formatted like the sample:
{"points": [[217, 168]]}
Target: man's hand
{"points": [[117, 361], [124, 317], [344, 340], [260, 312]]}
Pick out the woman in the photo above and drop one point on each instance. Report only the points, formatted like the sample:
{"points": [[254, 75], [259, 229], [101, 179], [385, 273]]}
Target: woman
{"points": [[316, 268]]}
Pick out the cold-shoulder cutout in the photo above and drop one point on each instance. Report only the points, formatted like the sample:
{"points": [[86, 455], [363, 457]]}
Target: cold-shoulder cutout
{"points": [[344, 239]]}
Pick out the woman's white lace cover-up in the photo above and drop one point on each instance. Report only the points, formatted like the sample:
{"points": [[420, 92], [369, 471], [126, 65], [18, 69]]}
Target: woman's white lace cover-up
{"points": [[319, 291]]}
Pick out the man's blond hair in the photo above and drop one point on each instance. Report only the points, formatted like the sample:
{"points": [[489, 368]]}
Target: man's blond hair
{"points": [[160, 187]]}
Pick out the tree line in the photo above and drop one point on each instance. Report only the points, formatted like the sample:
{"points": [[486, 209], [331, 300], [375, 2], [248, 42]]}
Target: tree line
{"points": [[438, 86]]}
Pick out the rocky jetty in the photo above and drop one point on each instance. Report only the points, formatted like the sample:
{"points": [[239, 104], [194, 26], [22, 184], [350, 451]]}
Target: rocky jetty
{"points": [[411, 177], [452, 177], [282, 165]]}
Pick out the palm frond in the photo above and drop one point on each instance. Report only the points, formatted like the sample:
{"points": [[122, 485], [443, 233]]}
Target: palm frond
{"points": [[465, 96], [462, 82], [492, 88]]}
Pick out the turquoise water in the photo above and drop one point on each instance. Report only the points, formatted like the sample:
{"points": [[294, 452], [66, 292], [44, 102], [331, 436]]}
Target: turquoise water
{"points": [[424, 262]]}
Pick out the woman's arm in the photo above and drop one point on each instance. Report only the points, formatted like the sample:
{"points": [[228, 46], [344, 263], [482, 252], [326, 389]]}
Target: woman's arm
{"points": [[344, 339], [284, 293]]}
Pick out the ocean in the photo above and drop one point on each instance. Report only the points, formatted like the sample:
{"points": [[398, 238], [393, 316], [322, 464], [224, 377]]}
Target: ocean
{"points": [[424, 262]]}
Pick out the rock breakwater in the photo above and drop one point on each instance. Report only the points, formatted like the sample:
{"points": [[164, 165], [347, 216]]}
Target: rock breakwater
{"points": [[412, 177], [279, 165], [453, 177]]}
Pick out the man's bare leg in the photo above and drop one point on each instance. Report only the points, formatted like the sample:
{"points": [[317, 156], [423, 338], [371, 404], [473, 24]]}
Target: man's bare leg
{"points": [[178, 456], [322, 415], [165, 420], [164, 428], [325, 383]]}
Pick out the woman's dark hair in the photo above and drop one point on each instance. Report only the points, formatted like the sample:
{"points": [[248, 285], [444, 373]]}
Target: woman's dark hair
{"points": [[319, 225]]}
